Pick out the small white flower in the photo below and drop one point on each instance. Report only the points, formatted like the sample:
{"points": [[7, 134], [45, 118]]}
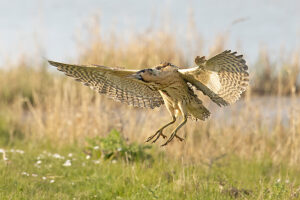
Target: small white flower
{"points": [[56, 155], [96, 147], [52, 181], [38, 162], [67, 163], [25, 174], [70, 155], [44, 178], [34, 175], [278, 180], [4, 155], [119, 149], [88, 157], [113, 161]]}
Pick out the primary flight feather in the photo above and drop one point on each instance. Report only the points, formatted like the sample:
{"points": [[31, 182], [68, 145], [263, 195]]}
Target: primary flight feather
{"points": [[222, 78]]}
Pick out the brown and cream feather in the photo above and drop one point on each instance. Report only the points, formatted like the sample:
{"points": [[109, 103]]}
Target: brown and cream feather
{"points": [[115, 83], [223, 77]]}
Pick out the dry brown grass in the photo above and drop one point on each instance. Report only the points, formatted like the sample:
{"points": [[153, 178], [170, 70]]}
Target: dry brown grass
{"points": [[276, 78], [48, 107]]}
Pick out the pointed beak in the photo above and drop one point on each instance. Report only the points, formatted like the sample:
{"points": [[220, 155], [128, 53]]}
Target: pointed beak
{"points": [[135, 76]]}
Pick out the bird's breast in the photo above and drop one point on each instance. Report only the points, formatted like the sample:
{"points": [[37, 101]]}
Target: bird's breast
{"points": [[175, 93]]}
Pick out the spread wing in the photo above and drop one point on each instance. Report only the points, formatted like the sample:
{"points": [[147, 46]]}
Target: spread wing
{"points": [[115, 83], [223, 77]]}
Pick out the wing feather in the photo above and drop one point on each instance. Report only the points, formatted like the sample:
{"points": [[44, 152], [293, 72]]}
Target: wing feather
{"points": [[115, 83], [223, 77]]}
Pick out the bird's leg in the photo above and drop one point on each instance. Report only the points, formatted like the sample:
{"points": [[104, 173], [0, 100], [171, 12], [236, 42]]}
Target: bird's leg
{"points": [[159, 132], [175, 131], [182, 108], [162, 128]]}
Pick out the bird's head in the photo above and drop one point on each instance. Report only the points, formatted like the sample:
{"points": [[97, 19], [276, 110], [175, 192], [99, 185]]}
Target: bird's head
{"points": [[156, 73], [145, 74]]}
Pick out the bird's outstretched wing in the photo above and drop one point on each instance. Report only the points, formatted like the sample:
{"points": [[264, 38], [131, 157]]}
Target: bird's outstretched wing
{"points": [[115, 83], [223, 77]]}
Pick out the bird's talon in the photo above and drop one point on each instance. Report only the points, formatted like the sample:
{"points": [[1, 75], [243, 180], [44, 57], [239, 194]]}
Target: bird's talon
{"points": [[179, 138], [164, 144], [159, 134], [150, 138]]}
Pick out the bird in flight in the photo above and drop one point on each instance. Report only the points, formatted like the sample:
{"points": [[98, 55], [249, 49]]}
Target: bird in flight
{"points": [[222, 78]]}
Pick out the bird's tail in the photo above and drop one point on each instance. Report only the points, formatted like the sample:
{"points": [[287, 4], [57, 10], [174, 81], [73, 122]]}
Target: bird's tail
{"points": [[197, 110]]}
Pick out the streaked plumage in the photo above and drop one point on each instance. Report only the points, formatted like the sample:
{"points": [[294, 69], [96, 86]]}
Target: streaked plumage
{"points": [[223, 78]]}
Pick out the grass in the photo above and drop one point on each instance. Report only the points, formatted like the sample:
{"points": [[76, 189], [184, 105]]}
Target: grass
{"points": [[38, 174]]}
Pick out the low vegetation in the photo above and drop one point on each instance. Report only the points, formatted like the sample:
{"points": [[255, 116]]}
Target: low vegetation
{"points": [[71, 172]]}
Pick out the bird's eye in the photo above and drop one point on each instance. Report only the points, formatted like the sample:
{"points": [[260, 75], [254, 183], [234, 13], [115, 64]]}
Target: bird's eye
{"points": [[141, 71], [152, 72]]}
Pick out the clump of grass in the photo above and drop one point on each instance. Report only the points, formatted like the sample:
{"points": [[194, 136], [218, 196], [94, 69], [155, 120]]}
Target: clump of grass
{"points": [[114, 147]]}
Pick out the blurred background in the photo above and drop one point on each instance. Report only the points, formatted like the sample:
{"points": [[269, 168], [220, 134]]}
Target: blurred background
{"points": [[135, 34], [254, 142], [139, 34], [53, 28]]}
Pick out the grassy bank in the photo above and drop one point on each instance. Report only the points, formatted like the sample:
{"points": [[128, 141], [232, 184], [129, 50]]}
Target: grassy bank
{"points": [[69, 173]]}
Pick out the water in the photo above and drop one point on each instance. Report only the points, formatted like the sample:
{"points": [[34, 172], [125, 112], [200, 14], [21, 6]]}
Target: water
{"points": [[27, 25], [266, 111]]}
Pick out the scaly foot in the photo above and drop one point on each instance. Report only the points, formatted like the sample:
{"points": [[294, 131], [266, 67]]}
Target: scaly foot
{"points": [[158, 134], [171, 138]]}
